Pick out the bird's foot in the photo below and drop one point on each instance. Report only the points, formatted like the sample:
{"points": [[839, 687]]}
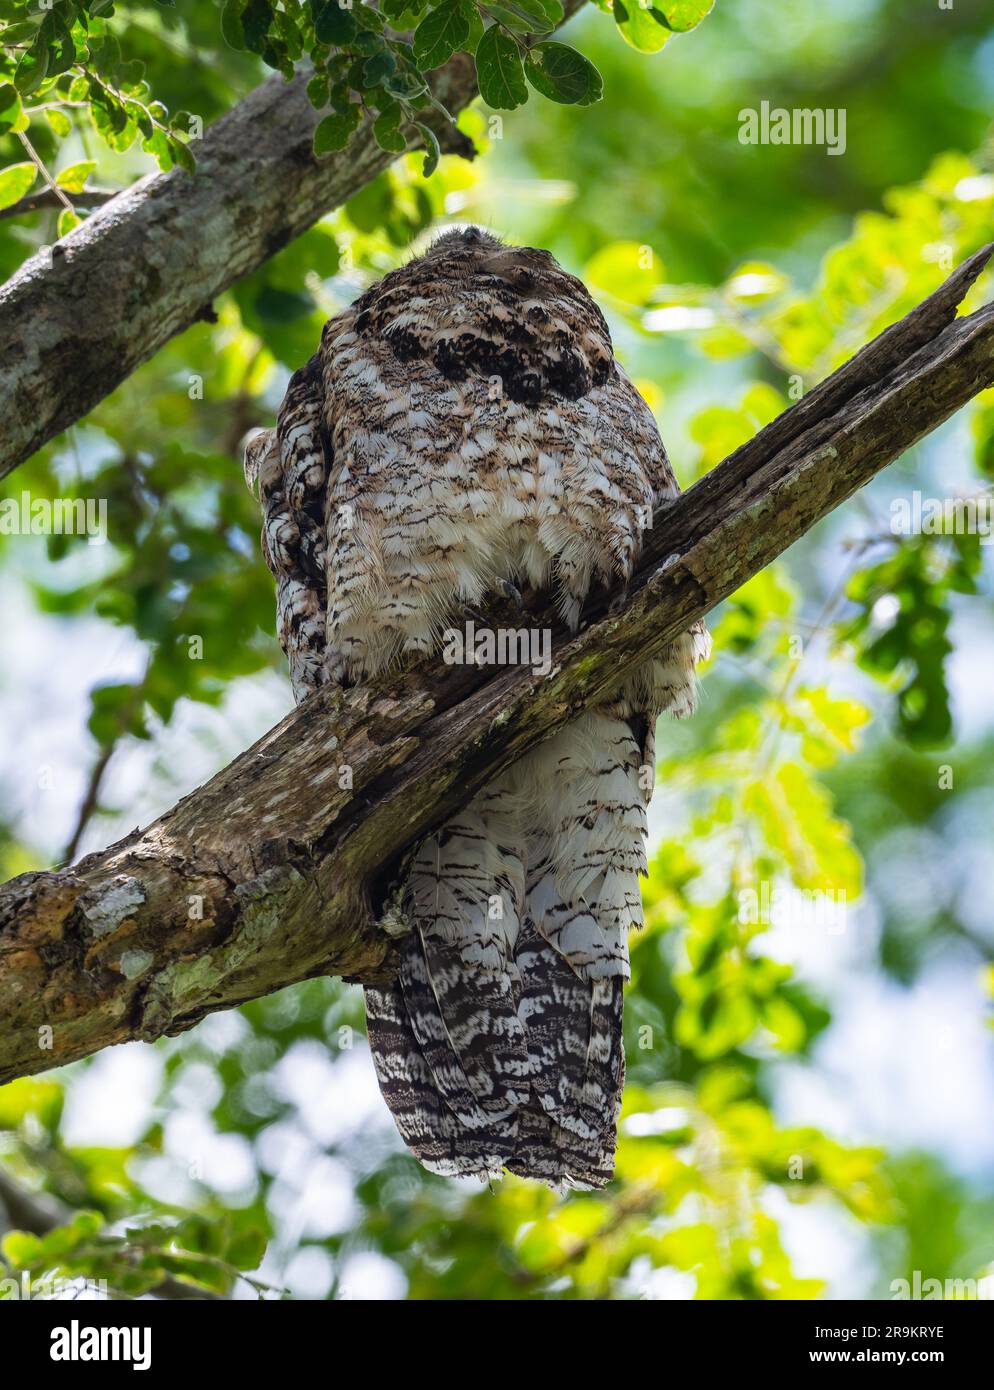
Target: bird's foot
{"points": [[619, 600], [512, 592]]}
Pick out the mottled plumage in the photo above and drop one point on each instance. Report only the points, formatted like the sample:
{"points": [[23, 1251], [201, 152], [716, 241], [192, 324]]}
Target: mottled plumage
{"points": [[463, 427]]}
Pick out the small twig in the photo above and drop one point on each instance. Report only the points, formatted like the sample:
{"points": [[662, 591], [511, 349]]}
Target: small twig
{"points": [[90, 801], [28, 1211], [91, 797], [60, 195], [55, 106], [52, 198]]}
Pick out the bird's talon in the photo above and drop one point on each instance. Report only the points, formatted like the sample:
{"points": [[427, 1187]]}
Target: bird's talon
{"points": [[619, 601], [512, 592]]}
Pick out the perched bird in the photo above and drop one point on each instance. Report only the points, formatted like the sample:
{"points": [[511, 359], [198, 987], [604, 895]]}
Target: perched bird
{"points": [[464, 429]]}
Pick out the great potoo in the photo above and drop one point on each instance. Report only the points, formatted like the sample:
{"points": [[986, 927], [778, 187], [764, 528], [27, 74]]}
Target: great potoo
{"points": [[463, 430]]}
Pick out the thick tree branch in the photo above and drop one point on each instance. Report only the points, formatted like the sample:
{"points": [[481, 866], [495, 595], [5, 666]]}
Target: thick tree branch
{"points": [[281, 866], [79, 317]]}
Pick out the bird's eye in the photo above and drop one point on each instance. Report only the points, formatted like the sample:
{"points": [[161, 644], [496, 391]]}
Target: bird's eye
{"points": [[471, 236]]}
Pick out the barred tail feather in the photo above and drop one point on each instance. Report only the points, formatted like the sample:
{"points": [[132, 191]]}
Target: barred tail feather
{"points": [[575, 1045], [469, 1033], [513, 1017], [427, 1124], [555, 1121]]}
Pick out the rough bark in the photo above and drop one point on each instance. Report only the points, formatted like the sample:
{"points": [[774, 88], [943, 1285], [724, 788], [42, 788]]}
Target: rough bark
{"points": [[277, 870], [79, 317]]}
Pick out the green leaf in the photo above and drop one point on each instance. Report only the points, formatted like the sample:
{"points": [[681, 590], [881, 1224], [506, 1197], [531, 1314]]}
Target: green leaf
{"points": [[531, 16], [31, 1096], [257, 16], [366, 44], [32, 68], [386, 129], [17, 33], [231, 25], [912, 641], [406, 83], [61, 48], [107, 52], [433, 151], [10, 107], [318, 90], [116, 710], [332, 24], [640, 27], [194, 1271], [246, 1250], [562, 74], [59, 122], [15, 182], [367, 18], [379, 67], [472, 41], [87, 1222], [67, 220], [796, 815], [334, 131], [63, 1240], [158, 147], [682, 15], [440, 34], [73, 177], [509, 19], [290, 34], [182, 155], [499, 71], [552, 9], [21, 1248], [205, 1237]]}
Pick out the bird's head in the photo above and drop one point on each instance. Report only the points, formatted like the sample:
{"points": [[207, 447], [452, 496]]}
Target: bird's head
{"points": [[478, 252]]}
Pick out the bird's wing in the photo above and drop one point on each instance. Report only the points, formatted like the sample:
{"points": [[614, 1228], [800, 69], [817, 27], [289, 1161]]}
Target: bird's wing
{"points": [[291, 464]]}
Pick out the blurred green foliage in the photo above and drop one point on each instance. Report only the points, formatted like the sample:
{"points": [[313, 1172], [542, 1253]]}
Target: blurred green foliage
{"points": [[734, 277], [70, 56]]}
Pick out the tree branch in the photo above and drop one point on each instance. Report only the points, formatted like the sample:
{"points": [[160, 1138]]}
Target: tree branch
{"points": [[280, 867], [79, 317]]}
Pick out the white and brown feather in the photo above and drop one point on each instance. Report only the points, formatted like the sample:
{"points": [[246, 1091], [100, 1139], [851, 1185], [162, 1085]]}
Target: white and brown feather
{"points": [[465, 424]]}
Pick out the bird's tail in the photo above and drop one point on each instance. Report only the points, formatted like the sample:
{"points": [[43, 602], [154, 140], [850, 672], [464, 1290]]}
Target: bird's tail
{"points": [[499, 1046], [535, 1085]]}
